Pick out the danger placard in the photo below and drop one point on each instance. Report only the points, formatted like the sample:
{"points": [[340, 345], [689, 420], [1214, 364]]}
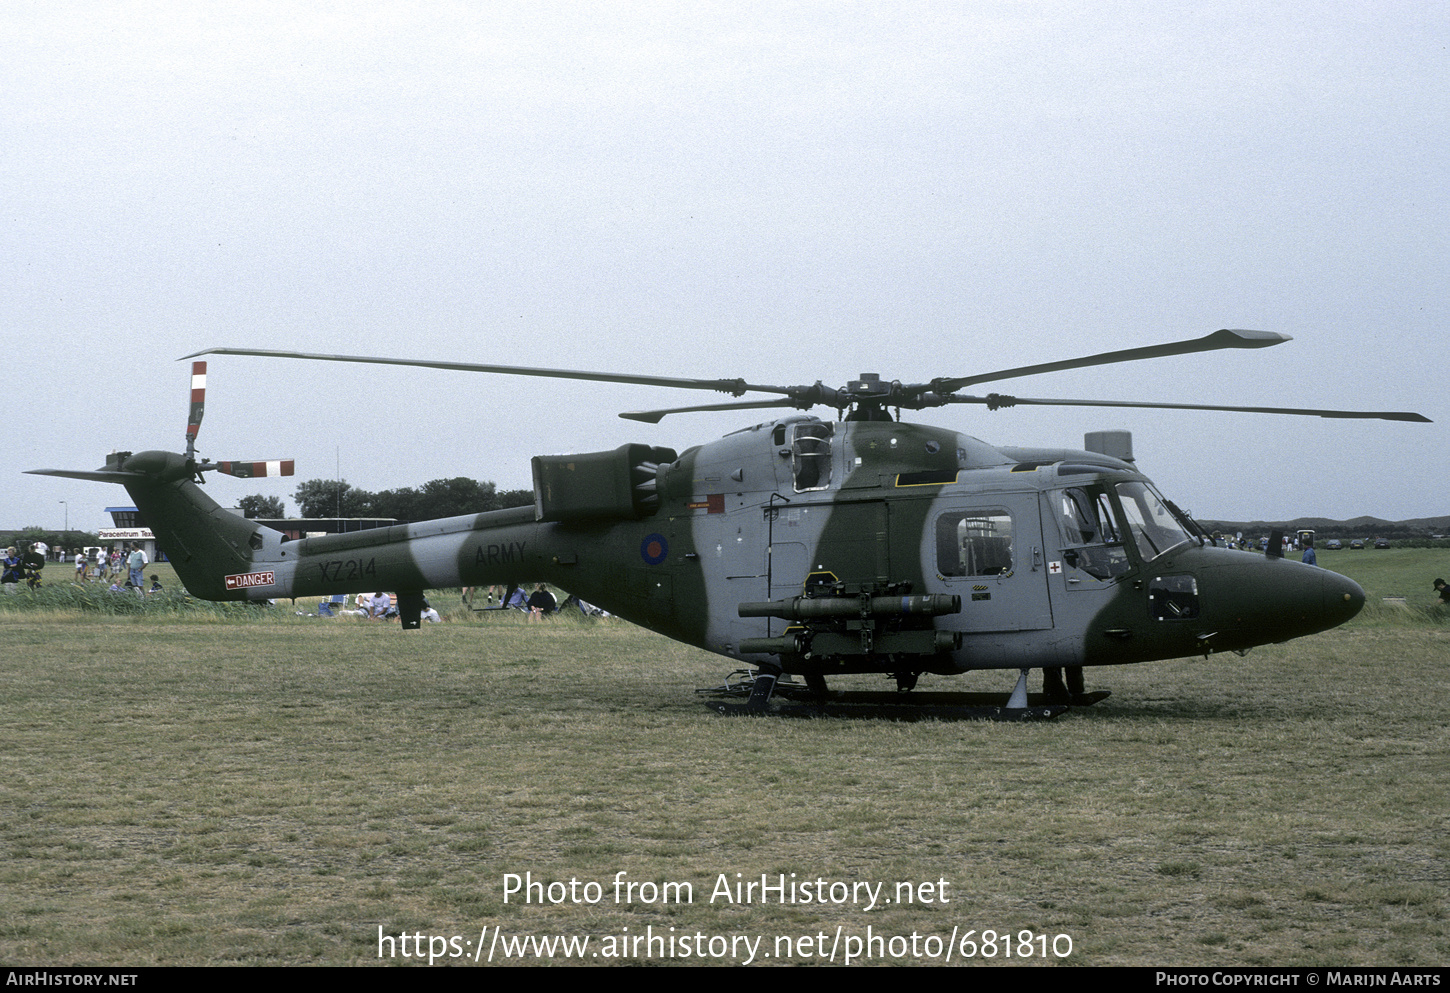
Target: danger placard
{"points": [[249, 579]]}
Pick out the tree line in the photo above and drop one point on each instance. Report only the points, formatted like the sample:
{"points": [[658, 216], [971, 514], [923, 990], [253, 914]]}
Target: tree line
{"points": [[56, 538], [438, 498]]}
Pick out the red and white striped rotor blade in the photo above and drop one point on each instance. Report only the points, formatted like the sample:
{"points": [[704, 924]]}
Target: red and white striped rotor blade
{"points": [[198, 401], [249, 470]]}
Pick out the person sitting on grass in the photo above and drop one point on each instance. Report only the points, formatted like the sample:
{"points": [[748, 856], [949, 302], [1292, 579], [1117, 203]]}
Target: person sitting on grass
{"points": [[31, 563], [541, 603], [378, 604], [11, 566]]}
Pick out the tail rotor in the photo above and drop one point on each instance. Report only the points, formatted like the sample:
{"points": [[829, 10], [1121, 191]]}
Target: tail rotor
{"points": [[198, 408], [249, 469]]}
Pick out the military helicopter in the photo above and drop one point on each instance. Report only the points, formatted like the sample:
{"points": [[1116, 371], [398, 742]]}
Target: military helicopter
{"points": [[807, 546]]}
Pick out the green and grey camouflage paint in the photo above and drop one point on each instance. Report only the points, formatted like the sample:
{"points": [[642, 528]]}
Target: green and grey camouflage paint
{"points": [[800, 505]]}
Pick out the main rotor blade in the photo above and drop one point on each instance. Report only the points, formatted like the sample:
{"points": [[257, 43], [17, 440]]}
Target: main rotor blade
{"points": [[1225, 338], [994, 401], [653, 416], [735, 387]]}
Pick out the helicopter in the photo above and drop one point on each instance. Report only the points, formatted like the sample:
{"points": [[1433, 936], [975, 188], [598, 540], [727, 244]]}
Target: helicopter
{"points": [[808, 546]]}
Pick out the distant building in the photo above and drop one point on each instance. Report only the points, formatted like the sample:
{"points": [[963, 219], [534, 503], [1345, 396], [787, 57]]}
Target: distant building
{"points": [[129, 530]]}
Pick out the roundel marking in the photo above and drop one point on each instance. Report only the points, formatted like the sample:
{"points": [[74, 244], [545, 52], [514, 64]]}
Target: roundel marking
{"points": [[654, 549]]}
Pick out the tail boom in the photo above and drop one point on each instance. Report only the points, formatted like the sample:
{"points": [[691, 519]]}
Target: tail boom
{"points": [[220, 555]]}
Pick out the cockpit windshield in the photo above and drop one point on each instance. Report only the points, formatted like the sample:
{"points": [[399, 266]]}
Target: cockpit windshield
{"points": [[1152, 524]]}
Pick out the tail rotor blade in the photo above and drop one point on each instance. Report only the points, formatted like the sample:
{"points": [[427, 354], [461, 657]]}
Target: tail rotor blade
{"points": [[198, 406], [251, 470]]}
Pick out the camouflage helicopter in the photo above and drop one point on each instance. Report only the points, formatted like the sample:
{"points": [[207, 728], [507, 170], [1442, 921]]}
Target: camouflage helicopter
{"points": [[808, 546]]}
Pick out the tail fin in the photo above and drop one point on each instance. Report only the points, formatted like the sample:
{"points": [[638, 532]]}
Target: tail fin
{"points": [[204, 542]]}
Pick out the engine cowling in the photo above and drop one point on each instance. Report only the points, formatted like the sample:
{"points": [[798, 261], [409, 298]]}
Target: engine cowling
{"points": [[599, 485]]}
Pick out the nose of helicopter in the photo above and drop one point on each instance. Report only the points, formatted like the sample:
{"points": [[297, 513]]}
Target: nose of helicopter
{"points": [[1304, 598], [1272, 600], [1341, 597]]}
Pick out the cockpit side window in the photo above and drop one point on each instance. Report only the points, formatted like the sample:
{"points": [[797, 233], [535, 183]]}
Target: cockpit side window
{"points": [[1092, 534], [811, 455], [1088, 516]]}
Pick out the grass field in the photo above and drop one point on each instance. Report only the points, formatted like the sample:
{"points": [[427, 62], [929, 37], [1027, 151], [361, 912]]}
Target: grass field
{"points": [[187, 789]]}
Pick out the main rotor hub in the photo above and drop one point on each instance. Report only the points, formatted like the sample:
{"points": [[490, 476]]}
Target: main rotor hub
{"points": [[869, 383]]}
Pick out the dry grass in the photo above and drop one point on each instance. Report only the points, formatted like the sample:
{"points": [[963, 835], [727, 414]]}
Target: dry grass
{"points": [[180, 792]]}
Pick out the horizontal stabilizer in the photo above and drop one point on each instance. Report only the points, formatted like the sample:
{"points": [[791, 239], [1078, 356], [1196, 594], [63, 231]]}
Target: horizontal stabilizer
{"points": [[98, 475]]}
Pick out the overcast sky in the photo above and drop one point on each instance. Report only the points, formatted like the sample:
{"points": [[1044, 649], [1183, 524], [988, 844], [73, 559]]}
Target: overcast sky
{"points": [[782, 192]]}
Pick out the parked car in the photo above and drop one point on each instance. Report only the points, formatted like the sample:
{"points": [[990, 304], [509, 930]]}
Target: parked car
{"points": [[1356, 543], [1382, 543], [1334, 543]]}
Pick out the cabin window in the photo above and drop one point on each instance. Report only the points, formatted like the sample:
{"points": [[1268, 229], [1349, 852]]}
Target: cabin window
{"points": [[811, 455], [1092, 534], [974, 543]]}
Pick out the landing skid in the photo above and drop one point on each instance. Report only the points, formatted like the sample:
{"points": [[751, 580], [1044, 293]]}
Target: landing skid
{"points": [[919, 700], [741, 683], [890, 712], [893, 711], [805, 702], [760, 687]]}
